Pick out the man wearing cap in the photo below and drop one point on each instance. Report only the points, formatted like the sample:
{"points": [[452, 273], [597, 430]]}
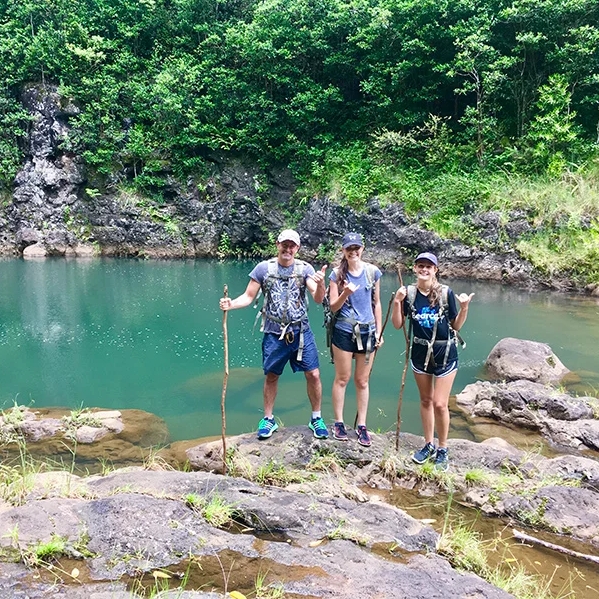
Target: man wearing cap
{"points": [[288, 338]]}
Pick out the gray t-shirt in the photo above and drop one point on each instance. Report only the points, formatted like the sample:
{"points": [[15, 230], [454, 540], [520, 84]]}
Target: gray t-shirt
{"points": [[284, 294], [359, 304]]}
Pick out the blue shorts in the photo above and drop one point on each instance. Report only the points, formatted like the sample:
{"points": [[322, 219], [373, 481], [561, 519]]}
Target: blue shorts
{"points": [[276, 354], [437, 371], [343, 340]]}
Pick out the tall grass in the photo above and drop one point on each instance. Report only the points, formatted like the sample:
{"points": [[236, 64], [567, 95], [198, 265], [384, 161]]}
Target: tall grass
{"points": [[562, 212]]}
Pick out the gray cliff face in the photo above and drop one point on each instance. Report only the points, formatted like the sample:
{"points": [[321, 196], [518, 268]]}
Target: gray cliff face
{"points": [[47, 188], [57, 211]]}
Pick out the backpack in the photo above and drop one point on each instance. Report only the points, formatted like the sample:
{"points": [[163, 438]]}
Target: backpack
{"points": [[454, 336], [330, 317], [289, 313]]}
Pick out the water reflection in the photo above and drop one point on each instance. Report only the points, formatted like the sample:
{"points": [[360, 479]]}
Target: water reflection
{"points": [[562, 575], [148, 335]]}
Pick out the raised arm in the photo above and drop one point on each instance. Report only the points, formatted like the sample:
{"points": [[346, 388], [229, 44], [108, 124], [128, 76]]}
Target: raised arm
{"points": [[243, 300], [464, 300], [316, 286], [397, 316]]}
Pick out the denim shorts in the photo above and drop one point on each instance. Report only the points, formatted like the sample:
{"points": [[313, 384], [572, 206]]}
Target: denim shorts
{"points": [[438, 371], [276, 353], [343, 340]]}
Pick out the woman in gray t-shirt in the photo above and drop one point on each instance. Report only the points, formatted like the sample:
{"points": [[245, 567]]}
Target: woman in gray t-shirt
{"points": [[355, 299]]}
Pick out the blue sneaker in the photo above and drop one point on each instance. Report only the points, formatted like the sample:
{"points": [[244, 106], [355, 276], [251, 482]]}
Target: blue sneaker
{"points": [[441, 460], [428, 452], [266, 427], [319, 428], [339, 431], [363, 436]]}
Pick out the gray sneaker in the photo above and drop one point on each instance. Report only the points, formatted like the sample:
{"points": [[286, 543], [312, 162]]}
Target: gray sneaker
{"points": [[441, 460], [428, 452]]}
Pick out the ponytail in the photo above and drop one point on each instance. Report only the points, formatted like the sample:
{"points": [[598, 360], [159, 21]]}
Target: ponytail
{"points": [[435, 296]]}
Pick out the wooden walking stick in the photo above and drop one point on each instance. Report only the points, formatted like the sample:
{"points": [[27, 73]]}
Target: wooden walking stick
{"points": [[405, 370], [225, 379]]}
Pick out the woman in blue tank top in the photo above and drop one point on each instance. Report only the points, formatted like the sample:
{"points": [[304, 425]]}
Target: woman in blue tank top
{"points": [[355, 298]]}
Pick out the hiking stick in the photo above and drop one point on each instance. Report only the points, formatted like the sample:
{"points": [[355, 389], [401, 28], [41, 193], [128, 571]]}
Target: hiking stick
{"points": [[376, 350], [403, 374], [225, 379]]}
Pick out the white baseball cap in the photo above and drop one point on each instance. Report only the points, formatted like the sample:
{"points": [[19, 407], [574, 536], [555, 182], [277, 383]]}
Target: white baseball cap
{"points": [[289, 235]]}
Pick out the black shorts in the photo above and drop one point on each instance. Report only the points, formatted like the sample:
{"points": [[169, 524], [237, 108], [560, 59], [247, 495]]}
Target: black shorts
{"points": [[438, 371], [345, 341]]}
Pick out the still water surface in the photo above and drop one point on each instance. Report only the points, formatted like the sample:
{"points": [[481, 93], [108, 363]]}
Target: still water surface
{"points": [[148, 335]]}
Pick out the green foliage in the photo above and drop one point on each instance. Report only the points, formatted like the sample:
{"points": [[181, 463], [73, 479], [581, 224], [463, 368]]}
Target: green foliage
{"points": [[553, 132], [225, 249], [345, 531], [326, 252], [45, 551], [350, 175], [574, 251], [290, 80], [214, 508], [13, 120], [425, 103], [278, 475]]}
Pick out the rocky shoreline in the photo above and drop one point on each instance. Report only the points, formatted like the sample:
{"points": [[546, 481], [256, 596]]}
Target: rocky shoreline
{"points": [[298, 516], [58, 209]]}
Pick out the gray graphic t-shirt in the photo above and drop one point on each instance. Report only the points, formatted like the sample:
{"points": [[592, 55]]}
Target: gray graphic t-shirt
{"points": [[284, 295]]}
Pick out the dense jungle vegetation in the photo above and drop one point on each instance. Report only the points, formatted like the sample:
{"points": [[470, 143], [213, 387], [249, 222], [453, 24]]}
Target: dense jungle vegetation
{"points": [[452, 107]]}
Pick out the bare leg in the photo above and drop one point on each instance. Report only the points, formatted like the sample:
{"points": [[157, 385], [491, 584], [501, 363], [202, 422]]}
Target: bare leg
{"points": [[271, 384], [441, 406], [314, 388], [343, 366], [361, 376], [426, 388]]}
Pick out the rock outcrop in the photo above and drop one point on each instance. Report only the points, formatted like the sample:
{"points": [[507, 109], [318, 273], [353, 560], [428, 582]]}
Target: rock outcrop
{"points": [[136, 523], [59, 208], [525, 398], [118, 436], [563, 420], [297, 515]]}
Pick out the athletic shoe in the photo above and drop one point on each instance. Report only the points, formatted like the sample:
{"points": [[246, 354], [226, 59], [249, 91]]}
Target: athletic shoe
{"points": [[266, 427], [428, 452], [319, 428], [441, 460], [339, 431], [363, 436]]}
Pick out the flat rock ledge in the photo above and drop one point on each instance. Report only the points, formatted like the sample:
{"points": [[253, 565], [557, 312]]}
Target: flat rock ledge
{"points": [[118, 436], [493, 476], [321, 535], [126, 525]]}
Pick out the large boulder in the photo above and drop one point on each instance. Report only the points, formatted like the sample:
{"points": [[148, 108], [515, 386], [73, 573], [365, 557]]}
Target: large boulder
{"points": [[564, 420], [518, 359]]}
